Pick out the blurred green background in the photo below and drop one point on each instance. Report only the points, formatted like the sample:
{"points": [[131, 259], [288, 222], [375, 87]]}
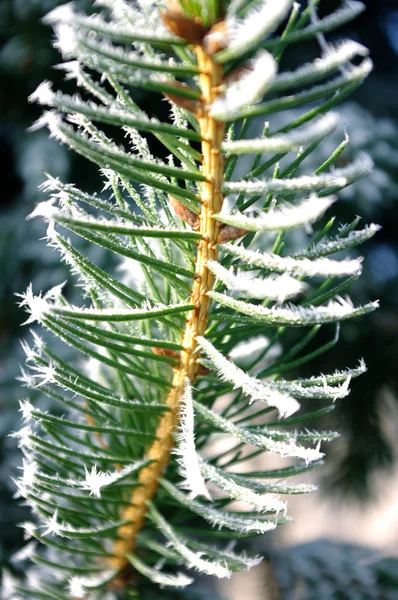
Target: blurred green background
{"points": [[367, 420]]}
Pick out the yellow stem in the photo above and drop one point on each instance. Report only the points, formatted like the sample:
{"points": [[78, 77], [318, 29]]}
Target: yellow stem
{"points": [[211, 201]]}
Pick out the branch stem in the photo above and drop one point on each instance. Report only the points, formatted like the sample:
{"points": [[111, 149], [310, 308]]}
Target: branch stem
{"points": [[212, 134]]}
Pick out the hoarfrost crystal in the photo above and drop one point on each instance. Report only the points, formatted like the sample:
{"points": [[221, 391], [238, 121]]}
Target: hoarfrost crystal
{"points": [[186, 451]]}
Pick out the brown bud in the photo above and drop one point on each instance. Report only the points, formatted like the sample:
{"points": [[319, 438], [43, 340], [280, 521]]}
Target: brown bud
{"points": [[185, 213], [216, 39], [229, 233], [124, 578], [190, 30], [237, 73], [202, 370], [194, 106], [234, 75], [166, 352]]}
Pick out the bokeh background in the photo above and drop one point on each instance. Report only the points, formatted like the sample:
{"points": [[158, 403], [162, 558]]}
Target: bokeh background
{"points": [[344, 543]]}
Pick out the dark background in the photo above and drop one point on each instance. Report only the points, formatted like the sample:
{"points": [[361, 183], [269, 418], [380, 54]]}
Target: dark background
{"points": [[26, 58]]}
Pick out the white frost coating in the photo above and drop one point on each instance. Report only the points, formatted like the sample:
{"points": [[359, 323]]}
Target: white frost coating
{"points": [[280, 487], [275, 288], [248, 348], [103, 56], [111, 314], [78, 586], [157, 576], [9, 585], [38, 305], [150, 27], [75, 587], [72, 69], [301, 267], [297, 315], [43, 94], [56, 241], [240, 492], [29, 470], [38, 342], [191, 558], [285, 142], [332, 60], [30, 353], [52, 525], [354, 238], [325, 392], [26, 408], [26, 482], [120, 9], [143, 14], [66, 40], [55, 292], [67, 530], [244, 34], [221, 518], [355, 74], [52, 184], [285, 448], [110, 478], [24, 553], [94, 481], [336, 377], [306, 183], [23, 437], [51, 120], [252, 387], [35, 305], [185, 450], [75, 104], [44, 373], [28, 380], [247, 89], [348, 11], [45, 209], [115, 57], [248, 562], [284, 217], [362, 165], [30, 529], [61, 14]]}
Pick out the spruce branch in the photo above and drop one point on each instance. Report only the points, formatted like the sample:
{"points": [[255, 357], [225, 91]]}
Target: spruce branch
{"points": [[126, 482]]}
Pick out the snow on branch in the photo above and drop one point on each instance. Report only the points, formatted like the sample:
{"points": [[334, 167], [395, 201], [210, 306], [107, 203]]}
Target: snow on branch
{"points": [[244, 34], [332, 60], [247, 89], [284, 217], [252, 387], [285, 142], [297, 316], [339, 178], [318, 267], [275, 288], [185, 450]]}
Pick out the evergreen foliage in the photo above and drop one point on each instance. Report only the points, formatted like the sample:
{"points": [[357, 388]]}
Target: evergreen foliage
{"points": [[129, 480], [329, 570]]}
